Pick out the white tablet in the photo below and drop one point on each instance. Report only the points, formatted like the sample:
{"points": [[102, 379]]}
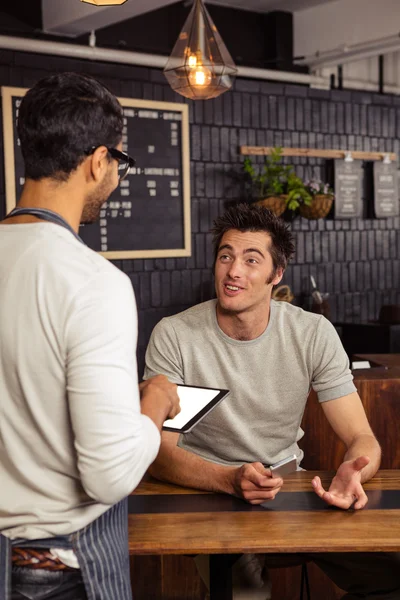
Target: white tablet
{"points": [[196, 402]]}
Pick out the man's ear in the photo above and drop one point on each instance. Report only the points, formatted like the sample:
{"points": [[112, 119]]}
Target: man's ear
{"points": [[278, 276], [99, 163]]}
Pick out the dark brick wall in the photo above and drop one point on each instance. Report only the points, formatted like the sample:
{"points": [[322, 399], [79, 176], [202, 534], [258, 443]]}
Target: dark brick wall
{"points": [[356, 261]]}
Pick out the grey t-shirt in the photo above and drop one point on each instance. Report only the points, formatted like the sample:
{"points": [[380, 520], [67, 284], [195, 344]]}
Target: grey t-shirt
{"points": [[269, 378]]}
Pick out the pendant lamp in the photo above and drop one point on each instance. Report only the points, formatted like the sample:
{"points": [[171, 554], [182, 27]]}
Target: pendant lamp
{"points": [[200, 66], [104, 2]]}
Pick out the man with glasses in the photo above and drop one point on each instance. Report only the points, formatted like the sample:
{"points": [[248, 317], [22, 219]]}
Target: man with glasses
{"points": [[75, 439]]}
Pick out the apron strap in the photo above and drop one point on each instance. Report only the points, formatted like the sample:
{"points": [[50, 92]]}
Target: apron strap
{"points": [[46, 215]]}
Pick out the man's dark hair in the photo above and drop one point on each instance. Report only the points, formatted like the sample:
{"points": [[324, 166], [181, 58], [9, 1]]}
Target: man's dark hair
{"points": [[60, 118], [251, 217]]}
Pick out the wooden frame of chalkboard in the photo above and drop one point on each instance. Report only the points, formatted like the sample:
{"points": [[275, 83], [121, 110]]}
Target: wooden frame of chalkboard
{"points": [[157, 229]]}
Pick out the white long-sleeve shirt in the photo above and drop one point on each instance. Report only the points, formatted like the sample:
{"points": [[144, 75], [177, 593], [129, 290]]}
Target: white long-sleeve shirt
{"points": [[72, 438]]}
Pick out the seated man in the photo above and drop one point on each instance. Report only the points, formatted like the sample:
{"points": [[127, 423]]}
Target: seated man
{"points": [[268, 354]]}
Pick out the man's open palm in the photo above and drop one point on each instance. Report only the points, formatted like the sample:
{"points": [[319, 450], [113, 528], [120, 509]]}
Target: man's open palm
{"points": [[346, 488]]}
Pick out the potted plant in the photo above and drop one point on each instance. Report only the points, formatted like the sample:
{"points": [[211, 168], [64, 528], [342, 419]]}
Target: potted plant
{"points": [[275, 185], [322, 199]]}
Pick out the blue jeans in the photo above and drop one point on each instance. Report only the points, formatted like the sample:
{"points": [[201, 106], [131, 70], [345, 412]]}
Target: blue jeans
{"points": [[39, 584]]}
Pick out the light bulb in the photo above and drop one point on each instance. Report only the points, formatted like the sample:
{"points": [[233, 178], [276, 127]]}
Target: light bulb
{"points": [[200, 77], [192, 61]]}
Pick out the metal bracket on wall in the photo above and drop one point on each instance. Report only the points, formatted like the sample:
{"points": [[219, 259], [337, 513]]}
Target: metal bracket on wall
{"points": [[318, 153]]}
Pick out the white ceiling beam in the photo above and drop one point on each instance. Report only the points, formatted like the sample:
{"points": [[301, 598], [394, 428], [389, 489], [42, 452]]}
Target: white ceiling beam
{"points": [[73, 18]]}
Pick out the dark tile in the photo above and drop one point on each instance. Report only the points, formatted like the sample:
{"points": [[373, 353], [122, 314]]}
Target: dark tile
{"points": [[299, 114], [316, 93], [210, 181], [165, 288], [273, 112], [315, 116], [345, 278], [356, 242], [264, 111], [353, 283], [246, 114], [367, 275], [363, 120], [378, 244], [382, 274], [148, 264], [200, 250], [385, 122], [332, 117], [383, 99], [215, 149], [269, 88], [187, 295], [307, 115], [225, 144], [208, 112], [237, 109], [281, 113], [198, 184], [155, 288], [299, 90], [337, 277], [324, 116], [374, 274], [247, 85], [227, 108], [176, 284], [316, 237], [255, 110], [371, 244], [340, 117], [218, 111], [300, 247], [340, 246], [144, 290], [195, 147], [205, 143], [341, 96]]}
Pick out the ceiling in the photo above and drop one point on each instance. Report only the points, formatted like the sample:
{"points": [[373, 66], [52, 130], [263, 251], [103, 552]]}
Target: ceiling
{"points": [[267, 5], [75, 18]]}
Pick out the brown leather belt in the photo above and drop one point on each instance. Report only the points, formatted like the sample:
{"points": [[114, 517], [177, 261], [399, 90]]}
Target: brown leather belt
{"points": [[37, 559]]}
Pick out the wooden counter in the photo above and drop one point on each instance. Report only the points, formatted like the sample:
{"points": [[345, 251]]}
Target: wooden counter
{"points": [[175, 577], [170, 520]]}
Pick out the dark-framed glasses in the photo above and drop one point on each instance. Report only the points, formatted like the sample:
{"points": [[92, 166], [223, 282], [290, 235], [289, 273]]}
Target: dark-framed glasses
{"points": [[125, 162]]}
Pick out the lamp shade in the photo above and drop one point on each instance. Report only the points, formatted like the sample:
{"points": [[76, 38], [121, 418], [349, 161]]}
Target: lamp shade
{"points": [[200, 66], [105, 2]]}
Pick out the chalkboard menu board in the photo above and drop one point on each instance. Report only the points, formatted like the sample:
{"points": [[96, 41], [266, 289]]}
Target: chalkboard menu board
{"points": [[348, 189], [386, 189], [148, 215]]}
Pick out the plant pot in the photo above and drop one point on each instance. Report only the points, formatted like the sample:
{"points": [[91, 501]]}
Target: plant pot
{"points": [[319, 208], [276, 204]]}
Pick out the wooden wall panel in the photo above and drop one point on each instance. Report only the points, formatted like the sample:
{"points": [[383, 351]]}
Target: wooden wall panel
{"points": [[381, 400]]}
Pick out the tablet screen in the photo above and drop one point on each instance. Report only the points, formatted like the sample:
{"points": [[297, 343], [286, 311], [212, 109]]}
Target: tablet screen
{"points": [[195, 403]]}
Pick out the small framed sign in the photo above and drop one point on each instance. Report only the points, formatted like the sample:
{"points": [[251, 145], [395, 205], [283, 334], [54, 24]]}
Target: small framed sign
{"points": [[348, 189], [386, 189]]}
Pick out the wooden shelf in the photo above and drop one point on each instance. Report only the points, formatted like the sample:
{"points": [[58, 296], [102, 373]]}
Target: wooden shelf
{"points": [[318, 153]]}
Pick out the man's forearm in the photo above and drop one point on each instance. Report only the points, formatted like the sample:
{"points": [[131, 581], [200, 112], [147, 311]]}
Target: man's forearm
{"points": [[365, 445], [175, 465]]}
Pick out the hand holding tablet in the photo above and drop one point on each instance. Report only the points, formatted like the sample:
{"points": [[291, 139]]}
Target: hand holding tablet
{"points": [[196, 403]]}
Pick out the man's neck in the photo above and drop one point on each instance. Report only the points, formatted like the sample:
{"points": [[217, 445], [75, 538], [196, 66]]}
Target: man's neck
{"points": [[243, 326], [61, 198]]}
